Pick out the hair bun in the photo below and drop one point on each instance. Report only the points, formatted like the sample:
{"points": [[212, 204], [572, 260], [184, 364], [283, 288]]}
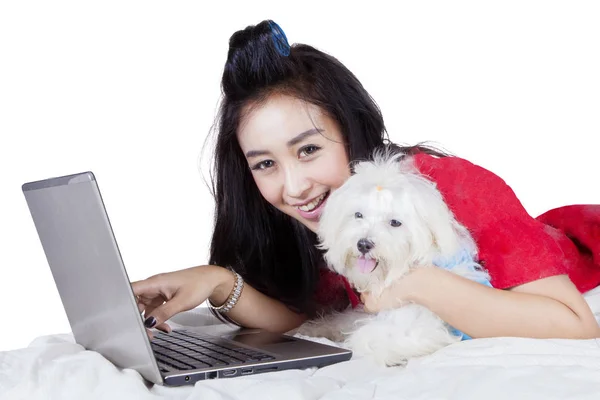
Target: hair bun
{"points": [[279, 39], [257, 58]]}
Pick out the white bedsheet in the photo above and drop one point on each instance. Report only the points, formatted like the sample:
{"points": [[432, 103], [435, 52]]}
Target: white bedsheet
{"points": [[54, 367]]}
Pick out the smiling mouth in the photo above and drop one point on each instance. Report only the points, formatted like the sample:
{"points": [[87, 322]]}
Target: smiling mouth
{"points": [[313, 204]]}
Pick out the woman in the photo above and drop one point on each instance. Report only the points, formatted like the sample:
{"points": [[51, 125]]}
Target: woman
{"points": [[291, 122]]}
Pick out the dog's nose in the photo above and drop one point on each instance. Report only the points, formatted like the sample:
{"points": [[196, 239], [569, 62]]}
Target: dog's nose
{"points": [[365, 245]]}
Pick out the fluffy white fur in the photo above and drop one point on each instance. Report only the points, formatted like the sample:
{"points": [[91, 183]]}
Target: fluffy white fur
{"points": [[405, 219]]}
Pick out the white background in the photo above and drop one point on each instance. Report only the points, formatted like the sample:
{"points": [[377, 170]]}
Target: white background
{"points": [[129, 90]]}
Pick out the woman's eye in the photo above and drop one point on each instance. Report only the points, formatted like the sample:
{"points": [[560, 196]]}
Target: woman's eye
{"points": [[358, 215], [263, 165], [395, 223], [310, 149]]}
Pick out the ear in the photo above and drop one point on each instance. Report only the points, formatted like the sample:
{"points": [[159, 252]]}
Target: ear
{"points": [[328, 235], [360, 167], [448, 236], [332, 218]]}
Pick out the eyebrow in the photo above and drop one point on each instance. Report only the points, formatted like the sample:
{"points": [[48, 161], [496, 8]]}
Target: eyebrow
{"points": [[292, 142]]}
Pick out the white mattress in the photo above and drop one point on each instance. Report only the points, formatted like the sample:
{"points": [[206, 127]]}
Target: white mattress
{"points": [[54, 367]]}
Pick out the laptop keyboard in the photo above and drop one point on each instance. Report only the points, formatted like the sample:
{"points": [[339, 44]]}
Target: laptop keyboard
{"points": [[185, 350]]}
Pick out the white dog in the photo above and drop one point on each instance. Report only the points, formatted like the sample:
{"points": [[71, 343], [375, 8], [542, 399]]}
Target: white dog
{"points": [[385, 220]]}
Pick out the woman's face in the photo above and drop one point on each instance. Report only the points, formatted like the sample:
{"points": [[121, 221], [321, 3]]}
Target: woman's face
{"points": [[296, 154]]}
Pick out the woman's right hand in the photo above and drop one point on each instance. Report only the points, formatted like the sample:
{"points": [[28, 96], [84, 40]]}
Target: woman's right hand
{"points": [[162, 296]]}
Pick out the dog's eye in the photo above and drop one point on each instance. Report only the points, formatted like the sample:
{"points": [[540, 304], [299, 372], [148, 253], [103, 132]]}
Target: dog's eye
{"points": [[357, 215], [395, 223]]}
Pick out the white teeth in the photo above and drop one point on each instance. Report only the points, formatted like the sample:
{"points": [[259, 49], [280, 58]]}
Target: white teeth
{"points": [[311, 206]]}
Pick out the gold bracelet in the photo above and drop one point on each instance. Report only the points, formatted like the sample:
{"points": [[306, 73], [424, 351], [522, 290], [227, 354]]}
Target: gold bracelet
{"points": [[234, 296]]}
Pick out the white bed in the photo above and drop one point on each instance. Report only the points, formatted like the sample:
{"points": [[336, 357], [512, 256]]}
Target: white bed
{"points": [[54, 367]]}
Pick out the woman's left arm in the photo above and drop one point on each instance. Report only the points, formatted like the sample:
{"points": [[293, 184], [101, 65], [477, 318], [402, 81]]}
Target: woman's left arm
{"points": [[547, 308]]}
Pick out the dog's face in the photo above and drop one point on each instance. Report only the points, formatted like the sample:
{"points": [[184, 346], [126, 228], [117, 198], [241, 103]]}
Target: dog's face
{"points": [[385, 218]]}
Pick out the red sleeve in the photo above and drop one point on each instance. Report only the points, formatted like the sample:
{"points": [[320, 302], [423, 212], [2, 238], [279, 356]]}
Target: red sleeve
{"points": [[514, 247]]}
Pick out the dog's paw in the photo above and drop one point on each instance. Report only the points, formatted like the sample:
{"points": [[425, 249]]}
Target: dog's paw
{"points": [[375, 344], [375, 352], [335, 326], [320, 330], [395, 337], [398, 363]]}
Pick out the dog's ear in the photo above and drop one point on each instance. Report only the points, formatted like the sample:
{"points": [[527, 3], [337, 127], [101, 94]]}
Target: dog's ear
{"points": [[447, 235], [332, 218], [359, 167], [337, 212], [330, 225], [452, 238]]}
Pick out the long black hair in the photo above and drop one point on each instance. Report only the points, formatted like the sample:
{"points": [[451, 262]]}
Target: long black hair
{"points": [[272, 251]]}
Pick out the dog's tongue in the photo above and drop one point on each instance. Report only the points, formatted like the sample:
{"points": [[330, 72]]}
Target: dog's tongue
{"points": [[365, 265]]}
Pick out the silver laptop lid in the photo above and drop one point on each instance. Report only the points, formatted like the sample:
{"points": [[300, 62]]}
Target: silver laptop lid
{"points": [[77, 238]]}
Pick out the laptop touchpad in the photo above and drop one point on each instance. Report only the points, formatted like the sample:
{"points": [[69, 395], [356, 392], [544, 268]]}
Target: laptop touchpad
{"points": [[259, 338]]}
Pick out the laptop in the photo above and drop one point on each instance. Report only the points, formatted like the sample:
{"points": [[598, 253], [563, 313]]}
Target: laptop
{"points": [[82, 252]]}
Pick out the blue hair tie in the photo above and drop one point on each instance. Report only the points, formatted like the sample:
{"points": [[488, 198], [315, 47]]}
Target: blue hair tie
{"points": [[279, 39]]}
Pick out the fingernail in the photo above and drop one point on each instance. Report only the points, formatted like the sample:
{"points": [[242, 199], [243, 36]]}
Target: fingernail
{"points": [[150, 322]]}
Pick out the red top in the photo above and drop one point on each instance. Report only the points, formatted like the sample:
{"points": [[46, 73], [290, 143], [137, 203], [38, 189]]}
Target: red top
{"points": [[514, 247]]}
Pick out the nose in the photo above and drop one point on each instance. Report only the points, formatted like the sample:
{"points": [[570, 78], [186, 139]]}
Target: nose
{"points": [[296, 183], [365, 245]]}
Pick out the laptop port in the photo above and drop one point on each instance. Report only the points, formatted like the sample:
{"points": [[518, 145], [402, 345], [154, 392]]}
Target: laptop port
{"points": [[230, 372], [212, 375], [246, 371], [266, 369]]}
